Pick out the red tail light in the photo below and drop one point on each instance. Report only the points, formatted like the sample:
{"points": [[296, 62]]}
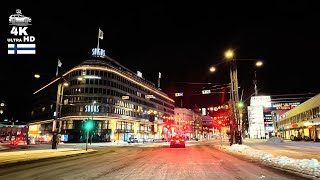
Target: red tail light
{"points": [[182, 140], [172, 140]]}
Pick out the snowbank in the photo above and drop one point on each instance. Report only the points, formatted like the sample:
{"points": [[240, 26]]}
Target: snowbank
{"points": [[305, 166]]}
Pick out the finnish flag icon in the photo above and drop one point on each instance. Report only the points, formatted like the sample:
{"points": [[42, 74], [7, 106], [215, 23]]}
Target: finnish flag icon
{"points": [[21, 48]]}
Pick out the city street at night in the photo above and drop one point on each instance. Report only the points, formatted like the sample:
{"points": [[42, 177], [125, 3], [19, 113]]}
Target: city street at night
{"points": [[160, 91], [197, 161]]}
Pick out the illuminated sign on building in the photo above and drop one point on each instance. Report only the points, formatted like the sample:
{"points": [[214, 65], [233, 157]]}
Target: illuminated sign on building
{"points": [[98, 52], [179, 94], [285, 106], [256, 122], [264, 101], [206, 91], [92, 108]]}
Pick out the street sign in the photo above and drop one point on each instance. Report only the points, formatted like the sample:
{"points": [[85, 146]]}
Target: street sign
{"points": [[125, 97], [206, 91], [179, 94]]}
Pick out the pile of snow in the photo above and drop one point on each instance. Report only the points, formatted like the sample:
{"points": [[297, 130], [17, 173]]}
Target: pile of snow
{"points": [[275, 140], [305, 166]]}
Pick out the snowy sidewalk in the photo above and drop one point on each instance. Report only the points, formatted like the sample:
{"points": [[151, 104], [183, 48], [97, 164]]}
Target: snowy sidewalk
{"points": [[24, 156], [309, 167], [292, 149]]}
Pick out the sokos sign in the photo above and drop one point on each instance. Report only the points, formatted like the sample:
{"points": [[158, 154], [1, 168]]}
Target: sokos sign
{"points": [[98, 52], [92, 108]]}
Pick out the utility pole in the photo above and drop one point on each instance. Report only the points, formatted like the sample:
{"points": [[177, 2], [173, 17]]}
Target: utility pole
{"points": [[234, 100]]}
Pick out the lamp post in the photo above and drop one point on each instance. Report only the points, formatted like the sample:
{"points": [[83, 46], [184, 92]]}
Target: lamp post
{"points": [[59, 100], [258, 64], [236, 124]]}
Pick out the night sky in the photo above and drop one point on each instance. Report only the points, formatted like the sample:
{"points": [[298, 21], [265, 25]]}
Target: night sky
{"points": [[179, 40]]}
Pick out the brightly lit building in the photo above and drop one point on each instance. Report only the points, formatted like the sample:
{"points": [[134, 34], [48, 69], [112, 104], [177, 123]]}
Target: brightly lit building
{"points": [[122, 103], [188, 122], [301, 122]]}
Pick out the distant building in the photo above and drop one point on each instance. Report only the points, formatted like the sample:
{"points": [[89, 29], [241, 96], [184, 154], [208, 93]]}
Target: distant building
{"points": [[188, 119]]}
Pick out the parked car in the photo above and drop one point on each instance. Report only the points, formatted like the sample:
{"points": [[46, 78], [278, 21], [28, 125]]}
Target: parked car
{"points": [[133, 140]]}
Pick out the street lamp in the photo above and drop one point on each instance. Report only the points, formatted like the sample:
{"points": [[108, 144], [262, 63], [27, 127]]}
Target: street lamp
{"points": [[37, 76], [258, 64], [212, 69], [229, 54], [236, 126]]}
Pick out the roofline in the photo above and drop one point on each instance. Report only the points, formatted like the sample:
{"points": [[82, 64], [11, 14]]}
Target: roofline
{"points": [[303, 103], [80, 67]]}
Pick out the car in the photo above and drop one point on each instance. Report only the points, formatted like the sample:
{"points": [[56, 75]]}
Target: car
{"points": [[133, 140], [19, 18], [177, 141]]}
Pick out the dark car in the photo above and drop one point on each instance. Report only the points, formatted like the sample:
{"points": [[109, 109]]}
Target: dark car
{"points": [[177, 141], [133, 140]]}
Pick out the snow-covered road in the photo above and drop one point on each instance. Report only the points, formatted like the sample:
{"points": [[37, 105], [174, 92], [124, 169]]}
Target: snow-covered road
{"points": [[193, 162]]}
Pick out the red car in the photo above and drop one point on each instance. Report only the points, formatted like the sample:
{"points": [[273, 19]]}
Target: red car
{"points": [[177, 141]]}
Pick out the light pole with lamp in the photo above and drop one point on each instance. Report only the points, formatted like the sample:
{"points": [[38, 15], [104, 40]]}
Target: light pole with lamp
{"points": [[258, 64], [236, 124]]}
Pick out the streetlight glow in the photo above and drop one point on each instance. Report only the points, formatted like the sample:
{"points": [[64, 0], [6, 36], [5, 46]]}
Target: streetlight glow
{"points": [[212, 69], [37, 76], [80, 78], [66, 84], [228, 54], [259, 63]]}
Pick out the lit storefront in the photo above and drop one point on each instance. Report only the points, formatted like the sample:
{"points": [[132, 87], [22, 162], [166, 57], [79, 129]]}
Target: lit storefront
{"points": [[301, 122]]}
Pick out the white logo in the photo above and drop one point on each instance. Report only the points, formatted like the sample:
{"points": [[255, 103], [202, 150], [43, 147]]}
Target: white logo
{"points": [[18, 19], [20, 42], [98, 52]]}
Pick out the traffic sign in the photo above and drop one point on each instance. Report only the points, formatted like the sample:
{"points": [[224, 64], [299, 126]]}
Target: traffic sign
{"points": [[206, 91]]}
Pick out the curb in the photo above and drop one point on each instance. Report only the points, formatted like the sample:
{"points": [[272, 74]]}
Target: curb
{"points": [[23, 162], [300, 174]]}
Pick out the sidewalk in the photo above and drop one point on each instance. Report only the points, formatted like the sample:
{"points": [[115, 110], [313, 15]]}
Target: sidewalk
{"points": [[26, 156]]}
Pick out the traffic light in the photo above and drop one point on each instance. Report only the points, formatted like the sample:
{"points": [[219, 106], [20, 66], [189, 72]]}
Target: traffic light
{"points": [[240, 104], [88, 125]]}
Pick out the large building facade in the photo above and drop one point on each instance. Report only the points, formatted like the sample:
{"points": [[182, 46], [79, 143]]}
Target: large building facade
{"points": [[121, 103], [301, 122]]}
